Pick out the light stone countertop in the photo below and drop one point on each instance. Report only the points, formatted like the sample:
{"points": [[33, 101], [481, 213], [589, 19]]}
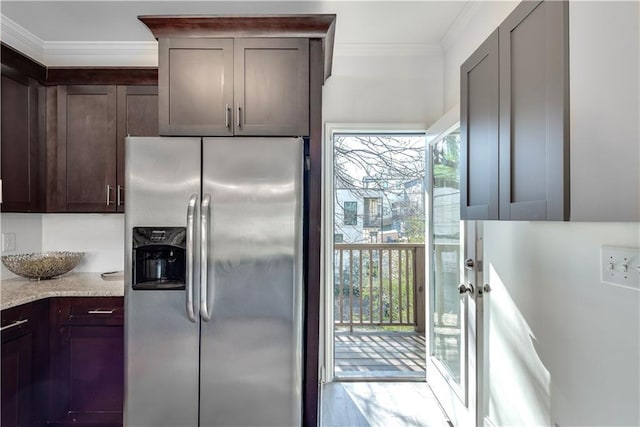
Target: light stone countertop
{"points": [[17, 291]]}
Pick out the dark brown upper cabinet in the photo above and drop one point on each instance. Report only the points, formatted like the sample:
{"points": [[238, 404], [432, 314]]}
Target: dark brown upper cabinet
{"points": [[86, 152], [137, 115], [514, 118], [87, 156], [195, 79], [242, 86], [20, 142], [271, 86]]}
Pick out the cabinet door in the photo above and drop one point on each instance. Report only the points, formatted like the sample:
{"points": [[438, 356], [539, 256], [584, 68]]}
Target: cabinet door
{"points": [[271, 86], [87, 147], [23, 365], [137, 116], [534, 140], [19, 149], [16, 381], [479, 133], [87, 361], [195, 86]]}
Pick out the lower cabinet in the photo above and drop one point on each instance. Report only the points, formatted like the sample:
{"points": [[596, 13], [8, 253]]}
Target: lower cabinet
{"points": [[62, 363], [24, 365], [87, 361]]}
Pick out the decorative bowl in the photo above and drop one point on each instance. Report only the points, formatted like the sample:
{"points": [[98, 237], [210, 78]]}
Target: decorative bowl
{"points": [[42, 266]]}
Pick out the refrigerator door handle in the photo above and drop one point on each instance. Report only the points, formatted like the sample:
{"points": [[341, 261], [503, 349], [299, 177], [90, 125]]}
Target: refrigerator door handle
{"points": [[193, 200], [204, 257]]}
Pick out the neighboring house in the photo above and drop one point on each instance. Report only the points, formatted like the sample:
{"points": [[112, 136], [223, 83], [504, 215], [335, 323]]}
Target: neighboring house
{"points": [[377, 215]]}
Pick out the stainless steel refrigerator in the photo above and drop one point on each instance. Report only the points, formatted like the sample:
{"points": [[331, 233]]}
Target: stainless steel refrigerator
{"points": [[213, 282]]}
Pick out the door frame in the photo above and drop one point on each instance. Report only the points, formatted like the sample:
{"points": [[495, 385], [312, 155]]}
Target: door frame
{"points": [[326, 345]]}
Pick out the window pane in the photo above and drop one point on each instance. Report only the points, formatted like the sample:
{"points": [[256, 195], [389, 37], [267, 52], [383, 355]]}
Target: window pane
{"points": [[350, 213], [372, 211]]}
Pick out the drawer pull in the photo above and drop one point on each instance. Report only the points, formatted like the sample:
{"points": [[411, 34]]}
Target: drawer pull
{"points": [[14, 324], [101, 311]]}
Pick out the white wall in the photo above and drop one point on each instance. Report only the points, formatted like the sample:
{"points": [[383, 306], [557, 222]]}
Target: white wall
{"points": [[562, 343], [562, 347], [384, 89], [28, 232], [474, 25], [100, 236]]}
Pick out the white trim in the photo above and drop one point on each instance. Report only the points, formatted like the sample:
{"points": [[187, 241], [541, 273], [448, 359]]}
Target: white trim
{"points": [[444, 125], [387, 49], [145, 54], [65, 53], [326, 286], [463, 20], [19, 38]]}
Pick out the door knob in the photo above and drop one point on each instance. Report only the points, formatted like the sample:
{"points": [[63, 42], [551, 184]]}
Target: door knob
{"points": [[464, 289], [469, 264]]}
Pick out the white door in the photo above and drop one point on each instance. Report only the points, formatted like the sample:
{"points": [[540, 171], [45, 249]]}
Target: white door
{"points": [[454, 257]]}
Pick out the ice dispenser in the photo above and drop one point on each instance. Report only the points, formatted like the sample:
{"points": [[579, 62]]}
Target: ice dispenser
{"points": [[159, 258]]}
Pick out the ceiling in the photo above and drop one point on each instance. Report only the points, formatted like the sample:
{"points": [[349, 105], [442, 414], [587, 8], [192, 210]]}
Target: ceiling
{"points": [[53, 24]]}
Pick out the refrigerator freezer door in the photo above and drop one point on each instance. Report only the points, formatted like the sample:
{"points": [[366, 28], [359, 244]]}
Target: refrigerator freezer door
{"points": [[251, 347], [161, 343]]}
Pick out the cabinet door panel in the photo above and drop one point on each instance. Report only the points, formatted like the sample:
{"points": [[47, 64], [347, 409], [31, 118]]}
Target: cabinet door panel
{"points": [[24, 365], [19, 146], [195, 86], [137, 116], [16, 382], [87, 131], [533, 115], [87, 361], [272, 87], [479, 133]]}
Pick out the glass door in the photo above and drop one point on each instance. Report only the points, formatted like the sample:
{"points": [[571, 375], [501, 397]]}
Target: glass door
{"points": [[451, 360]]}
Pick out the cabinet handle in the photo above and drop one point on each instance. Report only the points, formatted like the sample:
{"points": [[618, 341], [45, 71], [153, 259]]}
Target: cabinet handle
{"points": [[227, 111], [101, 311], [14, 324], [239, 122], [109, 188], [119, 198]]}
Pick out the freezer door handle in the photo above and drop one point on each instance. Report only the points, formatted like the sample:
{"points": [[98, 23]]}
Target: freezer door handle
{"points": [[193, 200], [204, 257]]}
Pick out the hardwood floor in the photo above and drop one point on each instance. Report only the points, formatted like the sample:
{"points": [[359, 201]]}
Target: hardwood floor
{"points": [[379, 355], [383, 404]]}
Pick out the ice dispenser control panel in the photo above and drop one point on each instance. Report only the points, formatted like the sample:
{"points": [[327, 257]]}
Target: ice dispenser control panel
{"points": [[159, 258]]}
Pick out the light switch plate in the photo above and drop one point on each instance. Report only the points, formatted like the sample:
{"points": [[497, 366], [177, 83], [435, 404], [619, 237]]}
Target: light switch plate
{"points": [[620, 266], [8, 242]]}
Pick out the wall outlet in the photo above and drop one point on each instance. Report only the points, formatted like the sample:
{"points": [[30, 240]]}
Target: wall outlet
{"points": [[620, 266], [8, 242]]}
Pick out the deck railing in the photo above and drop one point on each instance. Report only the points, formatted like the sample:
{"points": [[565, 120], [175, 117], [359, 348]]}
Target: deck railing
{"points": [[379, 284]]}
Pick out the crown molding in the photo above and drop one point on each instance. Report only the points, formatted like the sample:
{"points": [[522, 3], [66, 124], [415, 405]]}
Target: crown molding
{"points": [[145, 54], [20, 39], [119, 54], [387, 49], [462, 21]]}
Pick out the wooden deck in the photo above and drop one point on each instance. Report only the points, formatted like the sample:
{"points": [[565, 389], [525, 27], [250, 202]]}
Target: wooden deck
{"points": [[379, 355]]}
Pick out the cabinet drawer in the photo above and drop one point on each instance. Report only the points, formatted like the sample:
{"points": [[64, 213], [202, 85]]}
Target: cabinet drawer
{"points": [[89, 311], [20, 320]]}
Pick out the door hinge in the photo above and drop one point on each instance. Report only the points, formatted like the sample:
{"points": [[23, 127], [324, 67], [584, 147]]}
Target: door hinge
{"points": [[307, 163]]}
